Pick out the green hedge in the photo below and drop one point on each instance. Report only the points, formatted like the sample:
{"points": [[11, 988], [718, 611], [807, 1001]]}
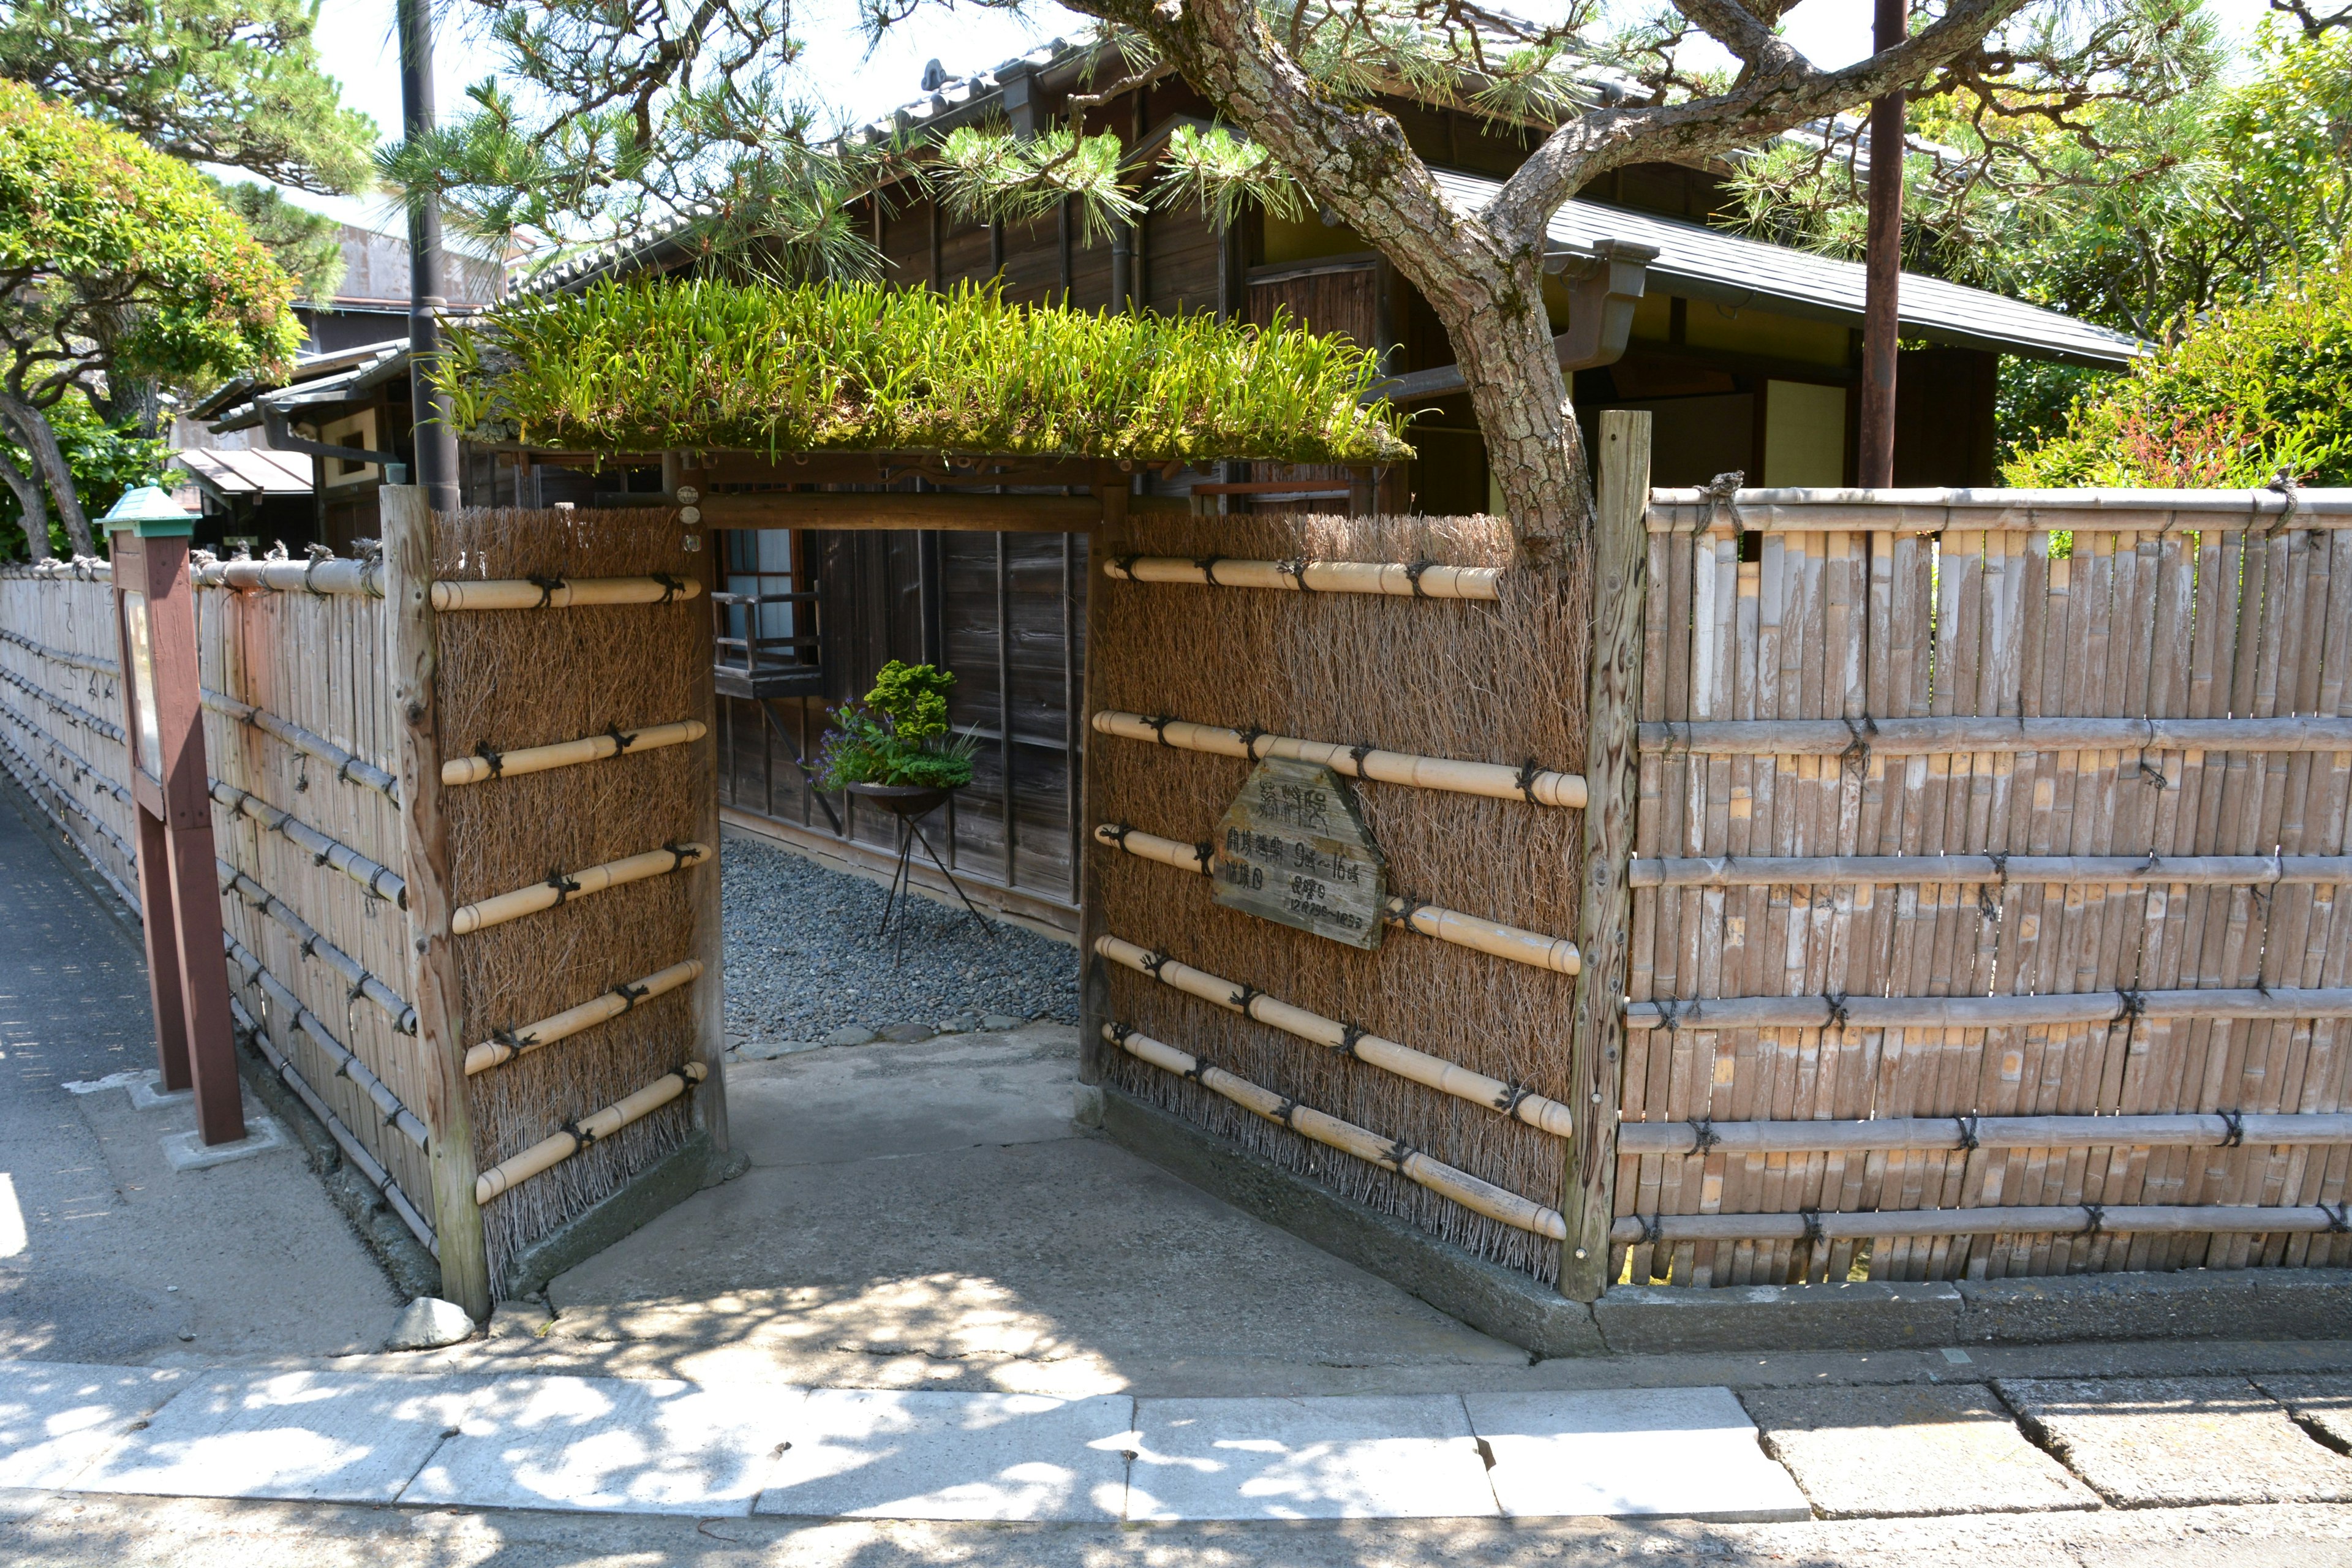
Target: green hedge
{"points": [[715, 366], [2254, 388]]}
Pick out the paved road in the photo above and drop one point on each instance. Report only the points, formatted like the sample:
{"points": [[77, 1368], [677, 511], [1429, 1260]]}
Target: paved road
{"points": [[106, 1254]]}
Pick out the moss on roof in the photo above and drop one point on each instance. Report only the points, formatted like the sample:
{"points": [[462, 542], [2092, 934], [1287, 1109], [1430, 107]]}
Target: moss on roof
{"points": [[715, 366]]}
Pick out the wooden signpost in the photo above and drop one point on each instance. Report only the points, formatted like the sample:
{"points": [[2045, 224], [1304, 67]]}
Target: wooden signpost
{"points": [[1293, 849], [179, 892]]}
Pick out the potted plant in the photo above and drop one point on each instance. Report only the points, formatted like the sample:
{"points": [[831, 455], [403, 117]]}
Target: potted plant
{"points": [[893, 748]]}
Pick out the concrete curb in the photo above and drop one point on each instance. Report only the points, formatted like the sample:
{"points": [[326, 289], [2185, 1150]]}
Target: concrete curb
{"points": [[1494, 1300]]}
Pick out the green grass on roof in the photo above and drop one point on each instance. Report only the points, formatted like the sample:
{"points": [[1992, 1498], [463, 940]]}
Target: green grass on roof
{"points": [[712, 366]]}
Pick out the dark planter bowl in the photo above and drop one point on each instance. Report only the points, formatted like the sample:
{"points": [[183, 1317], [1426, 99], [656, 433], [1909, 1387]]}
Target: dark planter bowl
{"points": [[903, 800]]}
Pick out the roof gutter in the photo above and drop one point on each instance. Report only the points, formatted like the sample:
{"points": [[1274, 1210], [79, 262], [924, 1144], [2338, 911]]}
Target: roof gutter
{"points": [[282, 435], [1604, 287]]}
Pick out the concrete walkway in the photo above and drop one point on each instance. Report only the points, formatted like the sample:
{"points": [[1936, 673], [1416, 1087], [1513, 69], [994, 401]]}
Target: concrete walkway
{"points": [[106, 1252]]}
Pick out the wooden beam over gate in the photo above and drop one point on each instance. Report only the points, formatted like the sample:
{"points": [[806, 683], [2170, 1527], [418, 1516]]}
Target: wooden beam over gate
{"points": [[902, 509]]}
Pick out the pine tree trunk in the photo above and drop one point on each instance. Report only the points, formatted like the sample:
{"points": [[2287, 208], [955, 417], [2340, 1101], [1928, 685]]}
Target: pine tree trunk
{"points": [[40, 439], [35, 511]]}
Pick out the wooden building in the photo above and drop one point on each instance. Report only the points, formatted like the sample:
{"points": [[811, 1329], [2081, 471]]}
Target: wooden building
{"points": [[1746, 354]]}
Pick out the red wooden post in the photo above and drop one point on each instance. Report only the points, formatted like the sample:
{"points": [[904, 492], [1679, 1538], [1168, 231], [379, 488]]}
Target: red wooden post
{"points": [[179, 890]]}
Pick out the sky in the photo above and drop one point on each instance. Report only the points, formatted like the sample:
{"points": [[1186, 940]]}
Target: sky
{"points": [[356, 40]]}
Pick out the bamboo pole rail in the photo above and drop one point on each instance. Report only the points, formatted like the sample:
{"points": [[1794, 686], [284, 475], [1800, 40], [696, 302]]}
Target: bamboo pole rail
{"points": [[81, 716], [105, 667], [1419, 1067], [2020, 510], [347, 1062], [82, 765], [1984, 1011], [65, 796], [549, 1152], [376, 880], [1933, 737], [362, 983], [1492, 937], [559, 592], [1398, 579], [1962, 1132], [1763, 870], [370, 1170], [348, 767], [562, 885], [508, 1043], [1482, 1197], [490, 765], [2066, 1219], [323, 575], [1497, 780]]}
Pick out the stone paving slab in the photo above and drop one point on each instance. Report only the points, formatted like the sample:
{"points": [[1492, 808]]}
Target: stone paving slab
{"points": [[309, 1436], [2179, 1442], [2322, 1402], [1684, 1453], [610, 1444], [1411, 1456], [1910, 1450], [894, 1454], [56, 1417]]}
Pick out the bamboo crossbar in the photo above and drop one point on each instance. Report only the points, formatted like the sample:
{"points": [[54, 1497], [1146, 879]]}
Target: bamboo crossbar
{"points": [[1499, 781], [370, 1170], [1983, 1012], [378, 881], [507, 1044], [1397, 579], [1932, 737], [362, 983], [105, 667], [81, 716], [324, 576], [559, 592], [65, 795], [1419, 1067], [1513, 943], [562, 885], [1879, 870], [1942, 1133], [492, 764], [549, 1152], [81, 765], [2066, 1219], [2010, 511], [347, 1062], [348, 767], [1482, 1197]]}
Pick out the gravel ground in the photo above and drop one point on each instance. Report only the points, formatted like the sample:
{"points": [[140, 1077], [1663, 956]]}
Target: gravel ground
{"points": [[803, 961]]}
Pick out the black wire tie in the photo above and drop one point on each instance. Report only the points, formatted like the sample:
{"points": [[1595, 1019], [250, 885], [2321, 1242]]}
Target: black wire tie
{"points": [[1351, 1035], [1968, 1132], [1414, 569], [1208, 566], [547, 587], [2236, 1136], [1834, 1002], [1526, 780], [564, 886], [671, 587], [1813, 1218], [1703, 1134], [622, 739], [630, 995]]}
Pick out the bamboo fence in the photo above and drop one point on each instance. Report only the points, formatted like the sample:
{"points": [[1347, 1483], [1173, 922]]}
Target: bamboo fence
{"points": [[572, 712], [1988, 857]]}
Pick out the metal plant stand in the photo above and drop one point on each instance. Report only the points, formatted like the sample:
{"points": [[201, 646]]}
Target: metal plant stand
{"points": [[908, 802]]}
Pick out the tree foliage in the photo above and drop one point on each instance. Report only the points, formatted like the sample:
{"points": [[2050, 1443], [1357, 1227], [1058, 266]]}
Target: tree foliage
{"points": [[237, 82], [117, 261], [2253, 390], [104, 459]]}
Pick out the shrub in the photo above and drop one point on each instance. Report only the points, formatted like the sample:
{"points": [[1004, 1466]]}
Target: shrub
{"points": [[2253, 388], [893, 737], [652, 365]]}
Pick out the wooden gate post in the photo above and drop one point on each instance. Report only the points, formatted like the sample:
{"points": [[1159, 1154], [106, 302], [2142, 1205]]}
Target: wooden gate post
{"points": [[1619, 585], [433, 963], [1110, 488], [702, 542]]}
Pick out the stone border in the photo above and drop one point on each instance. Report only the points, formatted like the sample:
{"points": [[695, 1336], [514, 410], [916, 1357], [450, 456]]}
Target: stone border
{"points": [[2232, 1304]]}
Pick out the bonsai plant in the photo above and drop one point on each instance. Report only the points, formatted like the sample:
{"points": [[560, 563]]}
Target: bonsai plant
{"points": [[896, 740]]}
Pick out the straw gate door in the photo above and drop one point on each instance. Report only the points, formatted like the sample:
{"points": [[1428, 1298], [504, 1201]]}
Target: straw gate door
{"points": [[1335, 801]]}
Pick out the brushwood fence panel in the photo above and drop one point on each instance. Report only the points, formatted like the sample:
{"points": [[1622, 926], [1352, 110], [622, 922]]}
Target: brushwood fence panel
{"points": [[1932, 644]]}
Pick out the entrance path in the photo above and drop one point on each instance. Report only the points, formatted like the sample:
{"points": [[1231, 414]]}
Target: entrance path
{"points": [[106, 1252]]}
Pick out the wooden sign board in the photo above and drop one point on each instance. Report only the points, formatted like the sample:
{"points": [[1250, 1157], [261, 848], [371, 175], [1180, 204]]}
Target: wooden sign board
{"points": [[1293, 849]]}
